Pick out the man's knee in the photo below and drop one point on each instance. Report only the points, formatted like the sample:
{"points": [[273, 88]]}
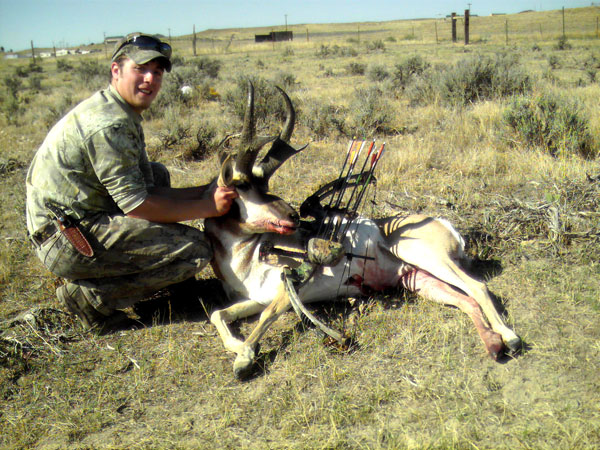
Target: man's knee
{"points": [[162, 177]]}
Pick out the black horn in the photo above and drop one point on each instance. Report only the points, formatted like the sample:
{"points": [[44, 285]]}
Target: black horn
{"points": [[250, 144], [281, 150]]}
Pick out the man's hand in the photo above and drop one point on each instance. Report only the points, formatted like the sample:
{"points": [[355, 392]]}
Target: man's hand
{"points": [[223, 197]]}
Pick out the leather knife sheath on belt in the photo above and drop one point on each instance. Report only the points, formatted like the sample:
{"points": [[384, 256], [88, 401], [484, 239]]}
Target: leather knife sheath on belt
{"points": [[69, 229]]}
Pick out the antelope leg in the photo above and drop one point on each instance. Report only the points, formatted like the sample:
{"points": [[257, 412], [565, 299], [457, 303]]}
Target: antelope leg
{"points": [[221, 318], [279, 305], [429, 287]]}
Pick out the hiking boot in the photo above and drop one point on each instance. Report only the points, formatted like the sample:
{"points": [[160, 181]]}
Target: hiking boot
{"points": [[90, 317]]}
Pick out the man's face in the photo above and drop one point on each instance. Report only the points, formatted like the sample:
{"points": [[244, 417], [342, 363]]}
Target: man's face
{"points": [[138, 84]]}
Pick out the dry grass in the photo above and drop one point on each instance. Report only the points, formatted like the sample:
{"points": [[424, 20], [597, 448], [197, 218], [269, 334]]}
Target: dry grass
{"points": [[418, 376]]}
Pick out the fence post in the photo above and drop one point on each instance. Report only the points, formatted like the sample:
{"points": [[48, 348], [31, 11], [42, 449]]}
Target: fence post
{"points": [[32, 54], [453, 27], [467, 13], [194, 40], [506, 31], [436, 33]]}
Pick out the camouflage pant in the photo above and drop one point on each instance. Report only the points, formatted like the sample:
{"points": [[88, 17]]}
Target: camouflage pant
{"points": [[133, 258]]}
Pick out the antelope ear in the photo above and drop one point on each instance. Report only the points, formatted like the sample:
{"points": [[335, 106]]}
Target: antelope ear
{"points": [[226, 174]]}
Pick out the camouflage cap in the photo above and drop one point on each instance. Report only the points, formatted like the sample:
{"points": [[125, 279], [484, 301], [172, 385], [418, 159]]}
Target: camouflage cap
{"points": [[143, 48]]}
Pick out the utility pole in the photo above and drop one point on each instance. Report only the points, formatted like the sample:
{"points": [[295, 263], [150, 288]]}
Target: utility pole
{"points": [[32, 54], [285, 22]]}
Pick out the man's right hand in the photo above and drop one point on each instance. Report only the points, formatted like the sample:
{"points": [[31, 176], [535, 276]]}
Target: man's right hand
{"points": [[223, 197]]}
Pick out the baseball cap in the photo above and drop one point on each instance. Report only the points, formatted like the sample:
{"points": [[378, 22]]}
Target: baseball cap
{"points": [[142, 48]]}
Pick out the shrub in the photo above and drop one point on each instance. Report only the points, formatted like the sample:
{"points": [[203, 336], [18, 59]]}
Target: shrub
{"points": [[377, 72], [591, 73], [405, 71], [372, 113], [553, 123], [325, 51], [375, 46], [355, 68], [563, 44], [12, 110], [63, 66], [35, 68], [206, 144], [176, 131], [91, 73], [286, 81], [553, 62], [476, 78], [35, 82], [22, 72], [13, 86], [325, 120], [209, 67]]}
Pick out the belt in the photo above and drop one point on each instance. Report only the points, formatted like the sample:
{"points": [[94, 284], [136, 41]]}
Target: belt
{"points": [[44, 233]]}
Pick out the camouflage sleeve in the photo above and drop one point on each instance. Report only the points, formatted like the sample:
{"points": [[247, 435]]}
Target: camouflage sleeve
{"points": [[118, 157]]}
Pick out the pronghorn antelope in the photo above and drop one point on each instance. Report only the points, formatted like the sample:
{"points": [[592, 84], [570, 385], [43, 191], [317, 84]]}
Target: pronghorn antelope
{"points": [[421, 253]]}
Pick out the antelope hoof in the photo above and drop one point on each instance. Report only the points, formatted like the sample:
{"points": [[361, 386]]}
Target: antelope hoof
{"points": [[514, 345], [242, 366]]}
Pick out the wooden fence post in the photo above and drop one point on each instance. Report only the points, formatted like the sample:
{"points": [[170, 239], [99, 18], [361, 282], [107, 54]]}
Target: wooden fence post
{"points": [[453, 27]]}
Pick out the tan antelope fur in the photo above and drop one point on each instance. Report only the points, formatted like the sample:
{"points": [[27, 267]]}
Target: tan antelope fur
{"points": [[423, 254]]}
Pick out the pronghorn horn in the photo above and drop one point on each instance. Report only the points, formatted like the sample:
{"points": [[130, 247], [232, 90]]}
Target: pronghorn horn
{"points": [[226, 173], [290, 121], [250, 144], [280, 151]]}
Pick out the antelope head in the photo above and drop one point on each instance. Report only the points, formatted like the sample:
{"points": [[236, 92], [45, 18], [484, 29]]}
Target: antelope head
{"points": [[256, 210]]}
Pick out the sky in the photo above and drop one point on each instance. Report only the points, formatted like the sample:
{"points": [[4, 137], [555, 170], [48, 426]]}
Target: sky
{"points": [[69, 23]]}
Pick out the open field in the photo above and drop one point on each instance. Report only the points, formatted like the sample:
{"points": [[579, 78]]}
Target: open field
{"points": [[523, 189]]}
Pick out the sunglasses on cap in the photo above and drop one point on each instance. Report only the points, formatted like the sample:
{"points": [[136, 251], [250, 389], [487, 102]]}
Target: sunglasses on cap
{"points": [[146, 42]]}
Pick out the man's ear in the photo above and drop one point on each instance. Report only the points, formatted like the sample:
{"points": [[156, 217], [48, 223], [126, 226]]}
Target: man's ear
{"points": [[114, 69]]}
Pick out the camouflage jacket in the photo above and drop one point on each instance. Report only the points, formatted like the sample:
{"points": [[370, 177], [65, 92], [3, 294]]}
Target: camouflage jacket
{"points": [[93, 160]]}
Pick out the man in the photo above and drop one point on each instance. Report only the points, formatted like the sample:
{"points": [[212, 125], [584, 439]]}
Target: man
{"points": [[102, 216]]}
